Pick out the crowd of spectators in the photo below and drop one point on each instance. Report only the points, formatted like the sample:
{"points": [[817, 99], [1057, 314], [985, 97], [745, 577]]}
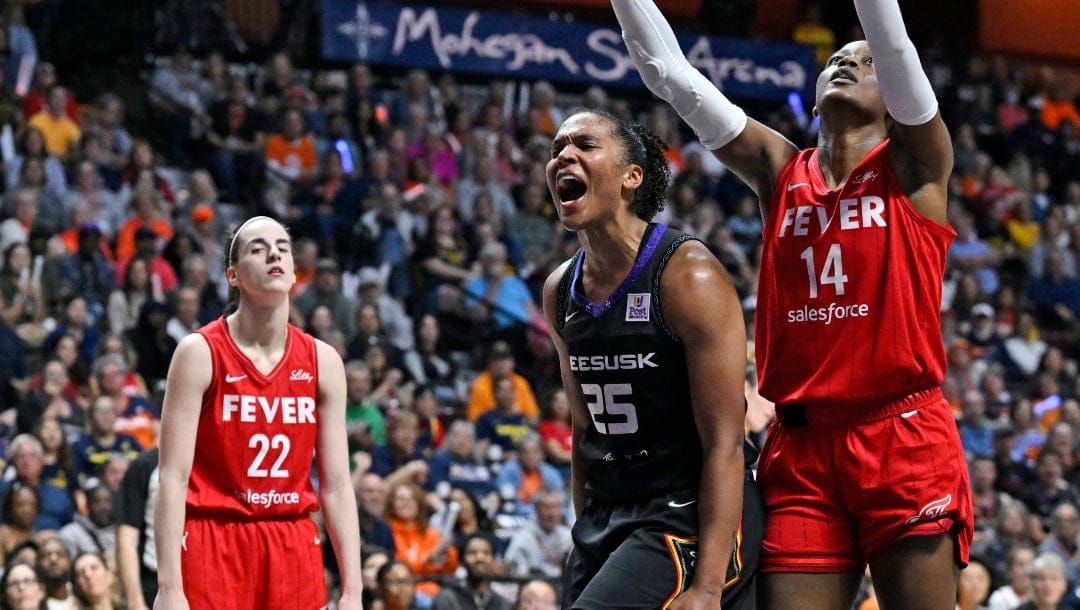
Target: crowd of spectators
{"points": [[423, 230]]}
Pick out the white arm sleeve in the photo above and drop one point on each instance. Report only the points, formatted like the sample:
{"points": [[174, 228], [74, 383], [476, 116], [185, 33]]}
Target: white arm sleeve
{"points": [[667, 73], [904, 85]]}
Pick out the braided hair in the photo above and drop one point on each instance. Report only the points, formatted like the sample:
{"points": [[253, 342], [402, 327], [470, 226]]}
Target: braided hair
{"points": [[645, 149]]}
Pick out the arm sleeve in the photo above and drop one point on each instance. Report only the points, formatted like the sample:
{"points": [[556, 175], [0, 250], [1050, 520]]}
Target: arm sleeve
{"points": [[668, 74], [904, 85]]}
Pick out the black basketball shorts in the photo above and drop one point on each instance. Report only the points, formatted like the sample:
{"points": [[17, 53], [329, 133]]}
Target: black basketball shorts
{"points": [[642, 556]]}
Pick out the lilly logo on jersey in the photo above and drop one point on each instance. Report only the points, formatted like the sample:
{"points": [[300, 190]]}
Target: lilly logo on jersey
{"points": [[864, 178], [300, 375], [637, 306]]}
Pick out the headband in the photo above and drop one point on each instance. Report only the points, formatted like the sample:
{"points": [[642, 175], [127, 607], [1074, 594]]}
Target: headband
{"points": [[232, 243]]}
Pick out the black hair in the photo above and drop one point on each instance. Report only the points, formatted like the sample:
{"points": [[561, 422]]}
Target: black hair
{"points": [[9, 557], [464, 544], [7, 509], [645, 149], [380, 576], [483, 520], [11, 249]]}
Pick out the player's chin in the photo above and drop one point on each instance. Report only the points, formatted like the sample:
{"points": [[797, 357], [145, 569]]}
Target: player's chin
{"points": [[573, 218], [280, 284]]}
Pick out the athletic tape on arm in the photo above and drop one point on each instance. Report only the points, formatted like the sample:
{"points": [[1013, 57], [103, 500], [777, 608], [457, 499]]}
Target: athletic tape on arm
{"points": [[904, 85], [667, 73]]}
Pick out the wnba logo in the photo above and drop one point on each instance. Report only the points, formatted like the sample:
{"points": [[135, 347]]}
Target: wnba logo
{"points": [[933, 510], [637, 307]]}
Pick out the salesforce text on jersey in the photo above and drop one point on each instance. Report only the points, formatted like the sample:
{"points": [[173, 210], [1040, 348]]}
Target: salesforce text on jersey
{"points": [[828, 314]]}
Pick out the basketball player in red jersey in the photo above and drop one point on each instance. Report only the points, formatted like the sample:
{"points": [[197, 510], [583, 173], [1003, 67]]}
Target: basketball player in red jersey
{"points": [[250, 398], [863, 464]]}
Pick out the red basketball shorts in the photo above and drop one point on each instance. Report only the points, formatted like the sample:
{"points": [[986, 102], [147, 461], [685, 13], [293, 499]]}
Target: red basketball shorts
{"points": [[836, 494], [252, 565]]}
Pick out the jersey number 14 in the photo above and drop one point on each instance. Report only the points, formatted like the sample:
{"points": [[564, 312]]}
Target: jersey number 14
{"points": [[832, 272]]}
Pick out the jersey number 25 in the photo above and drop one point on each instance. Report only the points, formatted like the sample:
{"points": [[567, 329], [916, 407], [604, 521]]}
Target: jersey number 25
{"points": [[618, 417]]}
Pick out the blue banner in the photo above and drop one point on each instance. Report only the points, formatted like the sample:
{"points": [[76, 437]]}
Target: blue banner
{"points": [[506, 45]]}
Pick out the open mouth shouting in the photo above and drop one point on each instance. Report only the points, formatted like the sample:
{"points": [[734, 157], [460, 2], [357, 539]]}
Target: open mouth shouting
{"points": [[569, 188]]}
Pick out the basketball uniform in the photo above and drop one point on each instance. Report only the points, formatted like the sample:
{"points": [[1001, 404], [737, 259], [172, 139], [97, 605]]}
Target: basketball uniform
{"points": [[849, 347], [248, 539], [635, 542]]}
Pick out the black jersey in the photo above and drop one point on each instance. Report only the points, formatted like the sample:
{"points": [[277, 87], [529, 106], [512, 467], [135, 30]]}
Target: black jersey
{"points": [[642, 441]]}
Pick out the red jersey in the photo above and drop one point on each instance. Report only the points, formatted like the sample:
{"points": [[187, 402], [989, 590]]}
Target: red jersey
{"points": [[849, 294], [257, 432]]}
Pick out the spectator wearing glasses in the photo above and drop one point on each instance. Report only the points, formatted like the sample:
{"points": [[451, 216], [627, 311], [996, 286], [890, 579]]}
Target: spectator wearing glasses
{"points": [[21, 589]]}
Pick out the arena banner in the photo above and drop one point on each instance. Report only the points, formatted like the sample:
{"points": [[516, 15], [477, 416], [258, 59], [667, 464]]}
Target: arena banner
{"points": [[515, 46]]}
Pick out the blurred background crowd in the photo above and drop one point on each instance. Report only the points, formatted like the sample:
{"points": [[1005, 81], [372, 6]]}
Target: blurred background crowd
{"points": [[423, 231]]}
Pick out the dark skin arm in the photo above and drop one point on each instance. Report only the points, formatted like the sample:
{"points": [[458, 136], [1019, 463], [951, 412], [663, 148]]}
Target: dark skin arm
{"points": [[757, 156], [922, 156], [715, 343]]}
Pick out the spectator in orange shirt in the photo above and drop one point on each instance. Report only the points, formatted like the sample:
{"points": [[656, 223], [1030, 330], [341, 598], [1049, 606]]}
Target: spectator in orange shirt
{"points": [[1058, 108], [482, 394], [419, 545], [291, 158], [306, 254], [136, 415], [162, 276], [147, 205]]}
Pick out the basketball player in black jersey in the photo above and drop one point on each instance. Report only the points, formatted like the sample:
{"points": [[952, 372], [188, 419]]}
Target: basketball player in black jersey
{"points": [[652, 348]]}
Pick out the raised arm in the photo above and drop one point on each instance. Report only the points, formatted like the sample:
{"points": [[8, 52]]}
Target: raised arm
{"points": [[336, 493], [579, 413], [714, 339], [188, 377], [752, 150], [923, 156]]}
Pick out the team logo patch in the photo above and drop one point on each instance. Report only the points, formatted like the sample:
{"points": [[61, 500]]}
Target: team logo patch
{"points": [[933, 510], [637, 307], [684, 553]]}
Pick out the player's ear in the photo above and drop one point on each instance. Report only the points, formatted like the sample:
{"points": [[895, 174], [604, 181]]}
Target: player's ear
{"points": [[633, 176]]}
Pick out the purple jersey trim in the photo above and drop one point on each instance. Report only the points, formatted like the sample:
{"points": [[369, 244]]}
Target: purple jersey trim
{"points": [[598, 309]]}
